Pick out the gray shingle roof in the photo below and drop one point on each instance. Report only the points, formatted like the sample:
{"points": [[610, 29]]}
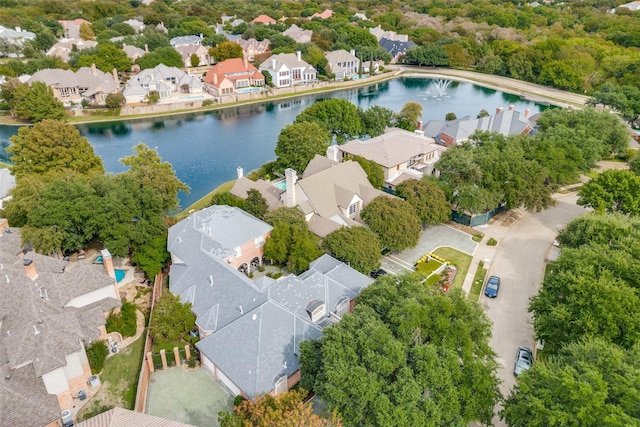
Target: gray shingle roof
{"points": [[255, 327], [510, 122], [38, 328], [269, 191]]}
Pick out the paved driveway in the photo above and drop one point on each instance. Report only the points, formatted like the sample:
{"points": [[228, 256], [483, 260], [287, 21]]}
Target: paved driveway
{"points": [[431, 239], [519, 262]]}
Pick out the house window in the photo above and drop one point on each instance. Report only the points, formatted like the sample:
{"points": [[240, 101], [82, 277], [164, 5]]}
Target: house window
{"points": [[295, 74], [342, 307], [352, 208], [259, 241], [281, 385]]}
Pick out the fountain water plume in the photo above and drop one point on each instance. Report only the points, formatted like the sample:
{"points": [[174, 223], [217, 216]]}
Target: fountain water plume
{"points": [[439, 88]]}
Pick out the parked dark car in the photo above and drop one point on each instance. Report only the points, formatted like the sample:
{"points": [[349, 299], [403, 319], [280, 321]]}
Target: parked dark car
{"points": [[377, 273], [524, 360], [492, 287]]}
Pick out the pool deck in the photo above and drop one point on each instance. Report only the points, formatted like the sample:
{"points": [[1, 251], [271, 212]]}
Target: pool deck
{"points": [[187, 395]]}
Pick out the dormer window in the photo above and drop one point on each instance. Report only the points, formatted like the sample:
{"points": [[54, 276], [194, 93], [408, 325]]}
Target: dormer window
{"points": [[352, 208], [316, 310]]}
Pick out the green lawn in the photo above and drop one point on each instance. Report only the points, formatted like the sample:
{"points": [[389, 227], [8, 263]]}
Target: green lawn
{"points": [[205, 201], [119, 381], [459, 259], [428, 267], [478, 281]]}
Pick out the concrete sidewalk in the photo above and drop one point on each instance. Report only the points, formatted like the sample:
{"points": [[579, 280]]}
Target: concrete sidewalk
{"points": [[497, 228]]}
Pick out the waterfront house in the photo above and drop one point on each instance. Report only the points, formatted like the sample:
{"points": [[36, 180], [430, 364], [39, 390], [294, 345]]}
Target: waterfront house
{"points": [[288, 69], [232, 76], [164, 80], [401, 154], [251, 330], [88, 83], [395, 48], [451, 132], [343, 64]]}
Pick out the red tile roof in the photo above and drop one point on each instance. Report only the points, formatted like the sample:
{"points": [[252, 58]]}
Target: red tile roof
{"points": [[264, 19], [226, 68]]}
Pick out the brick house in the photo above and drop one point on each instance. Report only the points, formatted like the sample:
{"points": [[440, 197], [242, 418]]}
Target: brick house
{"points": [[232, 76]]}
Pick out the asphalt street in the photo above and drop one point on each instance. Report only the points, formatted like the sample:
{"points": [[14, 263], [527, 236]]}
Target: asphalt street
{"points": [[519, 262]]}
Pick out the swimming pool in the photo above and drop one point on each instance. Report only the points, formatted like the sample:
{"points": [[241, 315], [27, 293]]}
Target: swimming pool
{"points": [[120, 275], [98, 260], [282, 185]]}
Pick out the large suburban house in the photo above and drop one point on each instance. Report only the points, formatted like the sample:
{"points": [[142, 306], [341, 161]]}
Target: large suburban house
{"points": [[88, 83], [401, 154], [343, 64], [271, 193], [202, 52], [251, 330], [510, 122], [164, 80], [330, 194], [288, 69], [49, 312], [231, 76], [395, 48], [632, 6], [251, 48], [63, 48], [298, 34]]}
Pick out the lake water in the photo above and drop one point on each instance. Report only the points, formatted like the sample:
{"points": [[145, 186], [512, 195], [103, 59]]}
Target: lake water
{"points": [[206, 148]]}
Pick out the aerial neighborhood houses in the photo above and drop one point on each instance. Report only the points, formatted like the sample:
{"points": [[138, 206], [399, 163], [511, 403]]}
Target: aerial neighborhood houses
{"points": [[51, 311], [90, 86], [213, 252]]}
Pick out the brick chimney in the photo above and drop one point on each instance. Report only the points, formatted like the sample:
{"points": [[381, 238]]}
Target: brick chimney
{"points": [[527, 113], [512, 107], [215, 79], [94, 71], [499, 110], [291, 178], [114, 72], [245, 62], [419, 125], [4, 223], [107, 261], [30, 269]]}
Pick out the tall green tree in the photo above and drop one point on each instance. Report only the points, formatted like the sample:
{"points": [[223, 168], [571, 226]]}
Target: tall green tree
{"points": [[298, 143], [172, 319], [428, 200], [408, 116], [255, 204], [150, 172], [588, 302], [394, 221], [612, 191], [375, 119], [291, 216], [37, 103], [589, 383], [105, 56], [166, 55], [409, 355], [52, 146], [337, 116], [226, 50], [291, 245], [357, 246], [374, 171]]}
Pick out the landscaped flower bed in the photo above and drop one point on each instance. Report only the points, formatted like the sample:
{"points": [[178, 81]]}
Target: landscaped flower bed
{"points": [[438, 270]]}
